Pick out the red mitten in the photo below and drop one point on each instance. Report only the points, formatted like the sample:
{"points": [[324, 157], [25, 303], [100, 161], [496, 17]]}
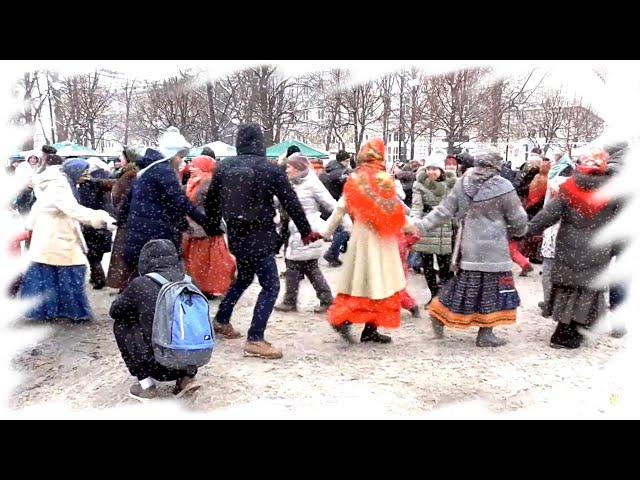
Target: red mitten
{"points": [[312, 237]]}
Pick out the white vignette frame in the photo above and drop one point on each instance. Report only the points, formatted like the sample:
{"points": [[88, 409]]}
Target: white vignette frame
{"points": [[617, 101]]}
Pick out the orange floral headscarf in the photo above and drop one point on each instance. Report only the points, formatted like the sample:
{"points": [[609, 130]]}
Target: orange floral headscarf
{"points": [[370, 192], [372, 152]]}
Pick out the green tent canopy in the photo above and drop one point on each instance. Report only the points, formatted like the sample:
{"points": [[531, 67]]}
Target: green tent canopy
{"points": [[69, 149], [276, 151]]}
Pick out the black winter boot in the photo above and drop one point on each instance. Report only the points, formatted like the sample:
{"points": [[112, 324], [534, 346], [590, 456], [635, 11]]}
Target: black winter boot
{"points": [[344, 331], [370, 334], [486, 338], [566, 336]]}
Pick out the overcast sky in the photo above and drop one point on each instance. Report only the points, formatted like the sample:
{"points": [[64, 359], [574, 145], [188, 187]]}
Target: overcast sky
{"points": [[617, 101]]}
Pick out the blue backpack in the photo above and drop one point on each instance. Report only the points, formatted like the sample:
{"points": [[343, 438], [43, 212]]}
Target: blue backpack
{"points": [[182, 335]]}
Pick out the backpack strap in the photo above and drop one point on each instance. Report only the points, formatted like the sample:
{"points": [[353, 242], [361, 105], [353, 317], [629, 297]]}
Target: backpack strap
{"points": [[156, 277]]}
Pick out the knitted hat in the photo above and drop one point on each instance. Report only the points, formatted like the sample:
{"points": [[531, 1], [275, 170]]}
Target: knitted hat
{"points": [[488, 158], [435, 160]]}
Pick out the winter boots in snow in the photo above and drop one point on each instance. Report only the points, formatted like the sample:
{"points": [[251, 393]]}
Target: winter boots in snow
{"points": [[486, 338], [438, 328], [285, 307], [545, 309], [344, 331], [566, 336], [370, 334]]}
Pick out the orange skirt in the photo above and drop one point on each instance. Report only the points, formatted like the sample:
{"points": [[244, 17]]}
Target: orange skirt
{"points": [[462, 321], [382, 313], [208, 262]]}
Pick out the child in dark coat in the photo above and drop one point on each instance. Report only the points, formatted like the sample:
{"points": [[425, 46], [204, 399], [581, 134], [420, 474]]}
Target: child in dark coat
{"points": [[133, 313]]}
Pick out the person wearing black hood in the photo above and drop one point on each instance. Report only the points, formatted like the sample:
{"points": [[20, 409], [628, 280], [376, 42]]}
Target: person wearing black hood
{"points": [[241, 192], [133, 312], [334, 178], [156, 206]]}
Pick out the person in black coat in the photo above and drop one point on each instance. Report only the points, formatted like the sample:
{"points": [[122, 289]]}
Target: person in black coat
{"points": [[242, 192], [93, 195], [336, 174], [156, 206], [133, 312]]}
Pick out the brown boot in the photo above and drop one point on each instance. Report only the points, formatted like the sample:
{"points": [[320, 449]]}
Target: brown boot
{"points": [[261, 349], [184, 386], [226, 330]]}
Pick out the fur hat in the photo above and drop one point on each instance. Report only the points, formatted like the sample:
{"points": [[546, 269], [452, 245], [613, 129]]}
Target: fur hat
{"points": [[171, 142]]}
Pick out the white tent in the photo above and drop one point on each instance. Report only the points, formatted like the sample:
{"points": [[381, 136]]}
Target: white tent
{"points": [[221, 149]]}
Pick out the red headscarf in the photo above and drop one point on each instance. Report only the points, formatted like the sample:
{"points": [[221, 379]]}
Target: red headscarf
{"points": [[593, 163], [587, 202], [207, 166]]}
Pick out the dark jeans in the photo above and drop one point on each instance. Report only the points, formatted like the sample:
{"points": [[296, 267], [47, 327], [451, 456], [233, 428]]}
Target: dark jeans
{"points": [[338, 244], [444, 262], [296, 271], [267, 271], [617, 295]]}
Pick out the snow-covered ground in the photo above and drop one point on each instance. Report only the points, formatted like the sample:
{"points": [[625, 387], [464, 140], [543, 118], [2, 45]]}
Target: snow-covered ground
{"points": [[320, 376]]}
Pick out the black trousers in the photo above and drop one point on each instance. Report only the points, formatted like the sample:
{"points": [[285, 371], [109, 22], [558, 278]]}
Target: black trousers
{"points": [[98, 276], [296, 271], [137, 353], [444, 272]]}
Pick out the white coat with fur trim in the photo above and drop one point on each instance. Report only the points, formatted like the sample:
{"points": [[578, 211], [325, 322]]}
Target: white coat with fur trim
{"points": [[55, 221]]}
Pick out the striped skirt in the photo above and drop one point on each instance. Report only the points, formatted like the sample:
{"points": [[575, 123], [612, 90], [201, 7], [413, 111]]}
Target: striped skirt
{"points": [[476, 299]]}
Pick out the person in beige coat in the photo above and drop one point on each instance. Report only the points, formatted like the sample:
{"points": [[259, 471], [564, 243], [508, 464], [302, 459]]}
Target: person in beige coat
{"points": [[58, 266], [372, 280]]}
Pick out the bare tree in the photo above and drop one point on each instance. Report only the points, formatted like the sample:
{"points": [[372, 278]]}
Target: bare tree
{"points": [[500, 99], [423, 109], [580, 123], [27, 89], [83, 103], [171, 102], [545, 119], [362, 104], [385, 86], [128, 91], [272, 100], [461, 104]]}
